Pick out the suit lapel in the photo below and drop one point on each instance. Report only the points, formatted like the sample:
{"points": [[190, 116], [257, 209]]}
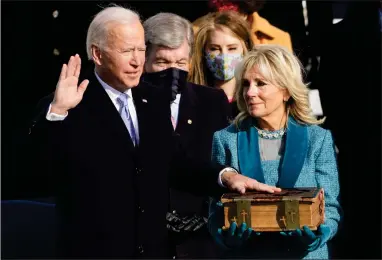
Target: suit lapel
{"points": [[142, 104], [187, 114], [104, 112], [296, 147], [248, 151]]}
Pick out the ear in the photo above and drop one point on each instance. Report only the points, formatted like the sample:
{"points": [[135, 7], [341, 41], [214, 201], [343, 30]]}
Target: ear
{"points": [[286, 95], [96, 54]]}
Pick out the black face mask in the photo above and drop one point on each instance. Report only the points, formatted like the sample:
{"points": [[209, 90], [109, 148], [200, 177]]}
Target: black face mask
{"points": [[171, 80]]}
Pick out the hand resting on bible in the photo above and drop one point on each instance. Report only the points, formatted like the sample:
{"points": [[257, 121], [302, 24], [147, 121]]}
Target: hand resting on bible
{"points": [[240, 183]]}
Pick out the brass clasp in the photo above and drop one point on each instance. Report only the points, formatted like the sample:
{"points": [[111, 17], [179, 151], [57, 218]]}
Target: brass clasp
{"points": [[290, 217], [243, 212]]}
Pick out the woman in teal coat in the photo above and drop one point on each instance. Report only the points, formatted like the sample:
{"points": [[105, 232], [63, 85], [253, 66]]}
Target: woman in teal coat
{"points": [[276, 140]]}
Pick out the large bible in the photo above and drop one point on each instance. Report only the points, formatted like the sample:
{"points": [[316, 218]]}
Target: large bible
{"points": [[287, 210]]}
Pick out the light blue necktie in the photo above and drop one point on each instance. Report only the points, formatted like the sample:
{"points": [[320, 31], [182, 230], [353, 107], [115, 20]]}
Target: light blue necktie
{"points": [[125, 114]]}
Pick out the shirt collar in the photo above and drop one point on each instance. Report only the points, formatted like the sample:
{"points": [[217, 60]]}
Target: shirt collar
{"points": [[176, 100], [112, 92]]}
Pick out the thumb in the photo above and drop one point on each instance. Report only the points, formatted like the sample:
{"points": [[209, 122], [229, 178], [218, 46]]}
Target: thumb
{"points": [[82, 87]]}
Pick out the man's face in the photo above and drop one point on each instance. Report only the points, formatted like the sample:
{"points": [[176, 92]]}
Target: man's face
{"points": [[161, 58], [121, 61]]}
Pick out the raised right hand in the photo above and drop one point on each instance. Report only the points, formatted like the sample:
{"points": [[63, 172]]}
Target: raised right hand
{"points": [[68, 94]]}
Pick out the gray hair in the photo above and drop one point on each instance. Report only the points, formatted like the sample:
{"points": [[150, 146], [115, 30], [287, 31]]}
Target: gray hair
{"points": [[99, 27], [168, 30]]}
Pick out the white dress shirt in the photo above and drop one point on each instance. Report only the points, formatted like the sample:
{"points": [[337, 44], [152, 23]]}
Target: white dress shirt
{"points": [[113, 94], [175, 108]]}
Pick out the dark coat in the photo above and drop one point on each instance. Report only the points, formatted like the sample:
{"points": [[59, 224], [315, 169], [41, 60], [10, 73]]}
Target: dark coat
{"points": [[202, 111], [112, 197]]}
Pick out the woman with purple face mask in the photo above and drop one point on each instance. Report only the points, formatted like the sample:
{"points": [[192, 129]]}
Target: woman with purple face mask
{"points": [[220, 44]]}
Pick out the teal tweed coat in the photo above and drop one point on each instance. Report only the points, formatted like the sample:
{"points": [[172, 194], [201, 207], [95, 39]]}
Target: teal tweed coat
{"points": [[309, 160]]}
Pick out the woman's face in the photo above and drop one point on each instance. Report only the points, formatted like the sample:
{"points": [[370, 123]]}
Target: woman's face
{"points": [[263, 98], [221, 41], [223, 52]]}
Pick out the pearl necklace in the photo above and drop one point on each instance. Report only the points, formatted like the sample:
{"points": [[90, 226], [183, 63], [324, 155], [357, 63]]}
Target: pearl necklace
{"points": [[271, 134]]}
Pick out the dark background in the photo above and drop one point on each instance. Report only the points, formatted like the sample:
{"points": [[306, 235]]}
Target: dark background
{"points": [[30, 71]]}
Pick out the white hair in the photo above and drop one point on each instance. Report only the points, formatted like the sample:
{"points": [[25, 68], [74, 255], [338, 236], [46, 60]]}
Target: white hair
{"points": [[168, 30], [98, 29]]}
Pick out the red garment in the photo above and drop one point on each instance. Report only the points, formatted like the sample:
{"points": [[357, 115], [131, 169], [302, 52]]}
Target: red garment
{"points": [[224, 5]]}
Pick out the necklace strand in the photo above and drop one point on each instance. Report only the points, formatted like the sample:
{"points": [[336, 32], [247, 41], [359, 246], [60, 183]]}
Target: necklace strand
{"points": [[271, 134]]}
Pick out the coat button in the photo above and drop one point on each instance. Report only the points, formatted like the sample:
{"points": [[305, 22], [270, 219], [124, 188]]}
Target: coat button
{"points": [[138, 170], [140, 209], [140, 249], [56, 52], [55, 14]]}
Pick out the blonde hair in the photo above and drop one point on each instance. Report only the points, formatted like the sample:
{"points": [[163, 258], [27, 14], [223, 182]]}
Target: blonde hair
{"points": [[281, 67], [230, 20]]}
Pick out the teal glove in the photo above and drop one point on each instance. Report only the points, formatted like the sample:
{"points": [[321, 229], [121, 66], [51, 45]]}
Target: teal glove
{"points": [[235, 236], [311, 240]]}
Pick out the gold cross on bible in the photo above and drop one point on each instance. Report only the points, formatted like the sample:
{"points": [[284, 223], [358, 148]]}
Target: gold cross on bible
{"points": [[292, 213], [243, 213], [283, 219]]}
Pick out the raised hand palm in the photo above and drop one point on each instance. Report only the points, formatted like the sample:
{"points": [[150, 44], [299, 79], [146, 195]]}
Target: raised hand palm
{"points": [[68, 94]]}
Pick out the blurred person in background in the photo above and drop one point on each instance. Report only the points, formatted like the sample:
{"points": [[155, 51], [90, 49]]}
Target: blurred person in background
{"points": [[220, 44], [262, 31]]}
